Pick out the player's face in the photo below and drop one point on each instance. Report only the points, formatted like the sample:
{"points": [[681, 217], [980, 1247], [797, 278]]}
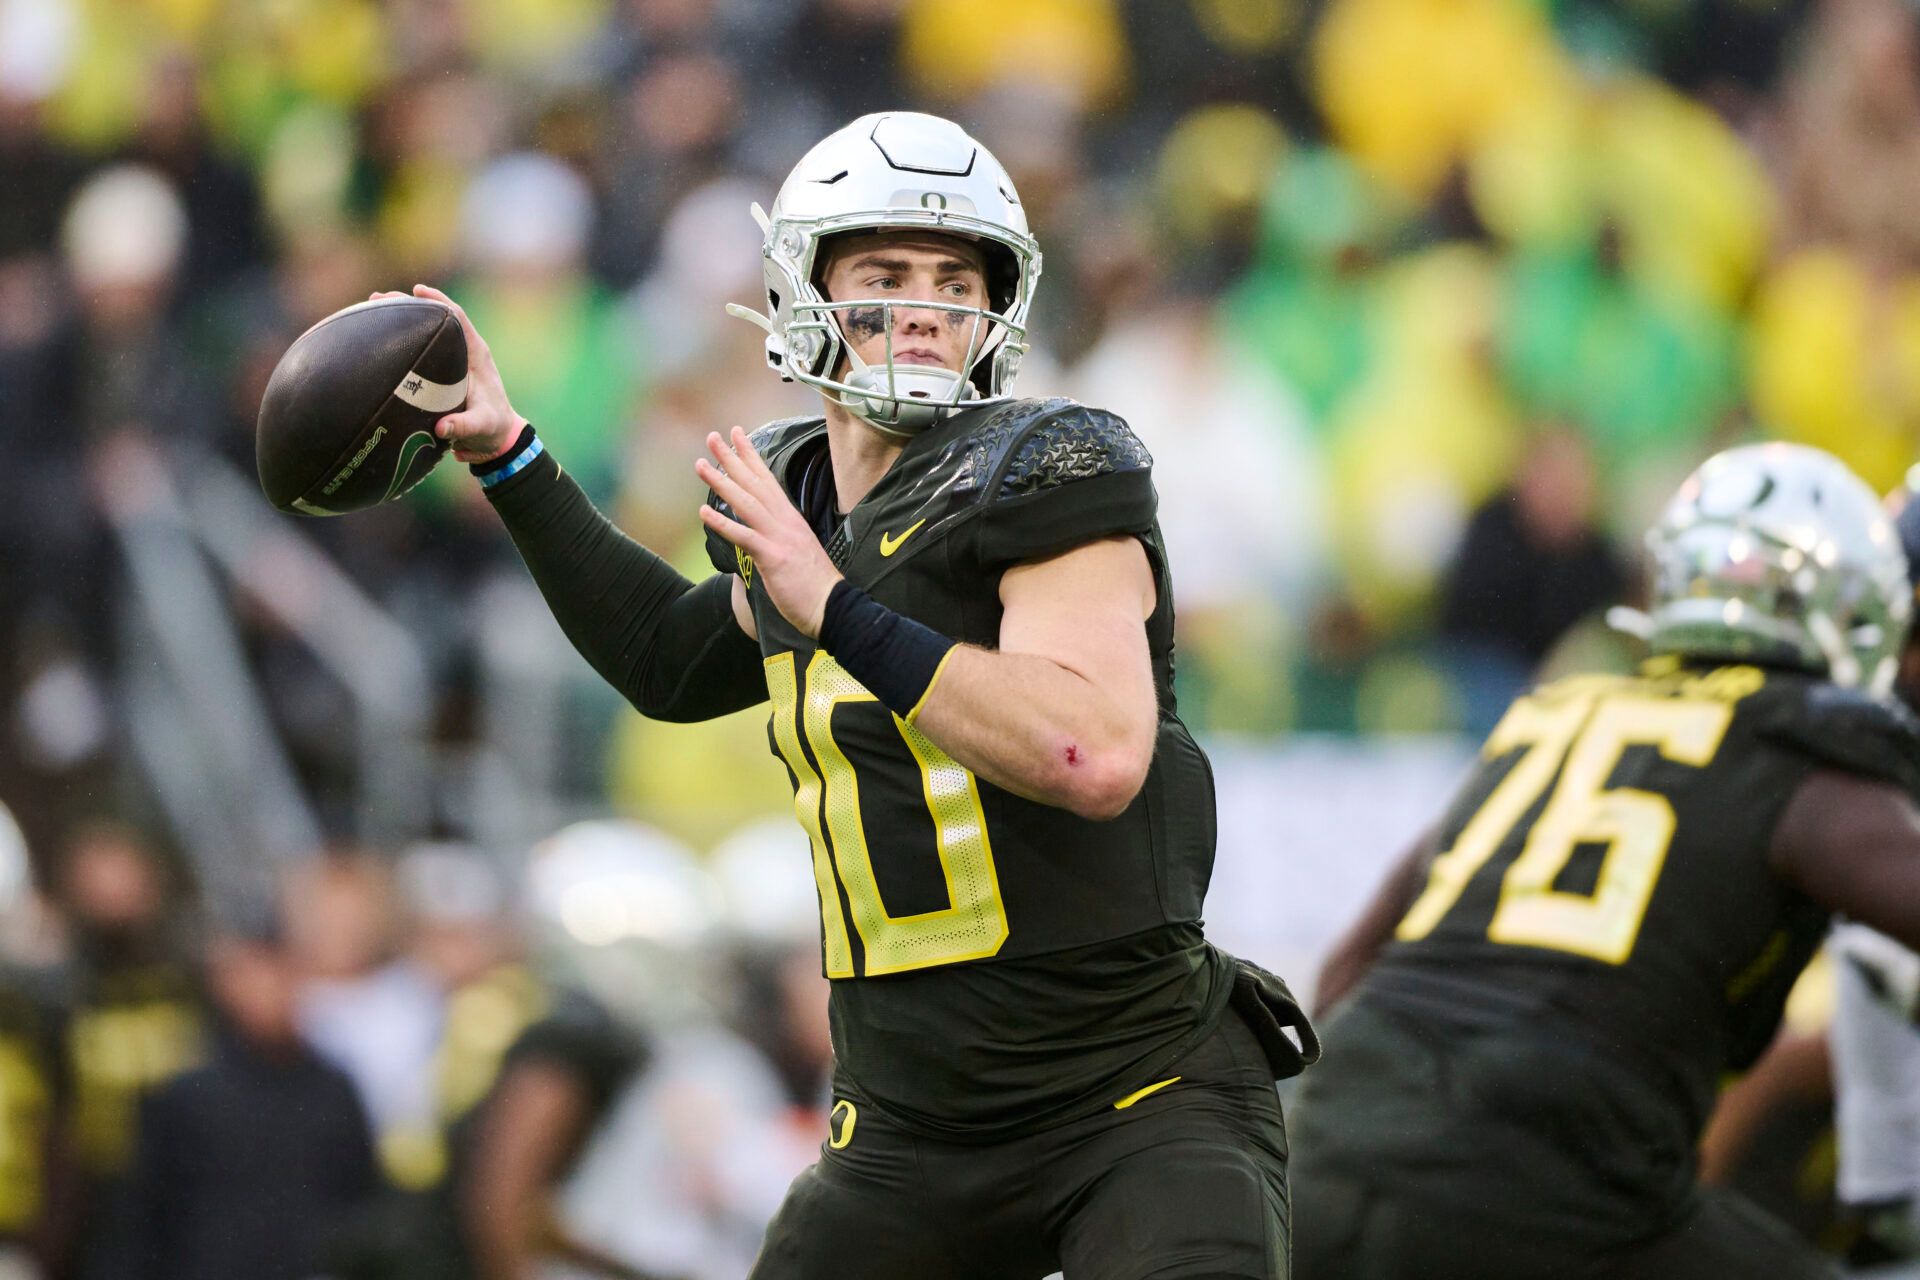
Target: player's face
{"points": [[903, 268]]}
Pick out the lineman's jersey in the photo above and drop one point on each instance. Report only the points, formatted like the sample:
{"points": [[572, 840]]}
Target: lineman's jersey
{"points": [[1605, 881], [998, 964]]}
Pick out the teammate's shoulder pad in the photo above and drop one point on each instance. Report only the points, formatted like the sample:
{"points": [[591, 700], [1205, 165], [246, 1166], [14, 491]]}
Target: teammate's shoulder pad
{"points": [[1067, 442], [1851, 730], [775, 444]]}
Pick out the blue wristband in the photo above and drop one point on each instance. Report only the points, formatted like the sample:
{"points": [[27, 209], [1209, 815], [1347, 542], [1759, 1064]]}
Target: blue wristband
{"points": [[512, 462], [894, 657]]}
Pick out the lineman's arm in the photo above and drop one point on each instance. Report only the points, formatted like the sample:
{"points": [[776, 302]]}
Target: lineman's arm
{"points": [[1796, 1068], [1852, 844], [1363, 941], [676, 651]]}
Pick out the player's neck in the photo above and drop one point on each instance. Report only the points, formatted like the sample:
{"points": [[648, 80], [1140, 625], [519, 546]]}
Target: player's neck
{"points": [[860, 455]]}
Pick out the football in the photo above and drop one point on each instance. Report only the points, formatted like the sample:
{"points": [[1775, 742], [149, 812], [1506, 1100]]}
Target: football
{"points": [[347, 421]]}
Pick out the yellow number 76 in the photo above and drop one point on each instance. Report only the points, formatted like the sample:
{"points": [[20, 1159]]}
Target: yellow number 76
{"points": [[1589, 734]]}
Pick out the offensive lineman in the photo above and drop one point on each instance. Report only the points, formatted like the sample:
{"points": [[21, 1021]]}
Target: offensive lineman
{"points": [[1534, 1022], [958, 605]]}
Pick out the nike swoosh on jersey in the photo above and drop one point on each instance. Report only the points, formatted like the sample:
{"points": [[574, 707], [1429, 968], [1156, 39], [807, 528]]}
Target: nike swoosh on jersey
{"points": [[890, 544]]}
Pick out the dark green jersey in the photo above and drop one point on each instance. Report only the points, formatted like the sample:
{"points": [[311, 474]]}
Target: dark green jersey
{"points": [[1605, 882], [997, 963]]}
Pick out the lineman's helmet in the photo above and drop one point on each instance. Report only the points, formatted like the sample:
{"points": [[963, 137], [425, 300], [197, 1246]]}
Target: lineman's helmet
{"points": [[1779, 552]]}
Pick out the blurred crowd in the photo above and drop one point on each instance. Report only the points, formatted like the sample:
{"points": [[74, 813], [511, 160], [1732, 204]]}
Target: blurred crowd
{"points": [[1421, 304], [1422, 307], [608, 1064]]}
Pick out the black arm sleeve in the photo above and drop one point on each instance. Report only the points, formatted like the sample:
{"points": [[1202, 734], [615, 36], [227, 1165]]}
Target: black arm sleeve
{"points": [[672, 649]]}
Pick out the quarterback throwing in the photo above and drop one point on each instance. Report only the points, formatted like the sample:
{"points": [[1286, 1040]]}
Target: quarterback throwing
{"points": [[957, 605]]}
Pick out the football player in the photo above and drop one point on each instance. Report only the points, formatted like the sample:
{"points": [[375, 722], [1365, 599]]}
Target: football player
{"points": [[957, 603], [1875, 1040], [1538, 1008]]}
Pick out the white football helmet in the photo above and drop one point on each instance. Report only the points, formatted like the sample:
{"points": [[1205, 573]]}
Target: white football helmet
{"points": [[1778, 551], [891, 170]]}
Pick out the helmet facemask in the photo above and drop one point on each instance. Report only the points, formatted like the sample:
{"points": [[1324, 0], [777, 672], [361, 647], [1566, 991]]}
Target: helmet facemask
{"points": [[901, 399]]}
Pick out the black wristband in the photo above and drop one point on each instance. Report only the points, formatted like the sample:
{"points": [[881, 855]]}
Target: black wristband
{"points": [[896, 658], [513, 460]]}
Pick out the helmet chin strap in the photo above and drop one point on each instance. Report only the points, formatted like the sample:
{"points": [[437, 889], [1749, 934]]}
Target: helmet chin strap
{"points": [[912, 397]]}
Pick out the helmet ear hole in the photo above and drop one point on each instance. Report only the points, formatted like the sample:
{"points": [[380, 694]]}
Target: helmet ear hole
{"points": [[822, 258], [1003, 276]]}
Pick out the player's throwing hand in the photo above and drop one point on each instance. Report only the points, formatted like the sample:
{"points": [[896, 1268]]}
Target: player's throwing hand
{"points": [[767, 526], [488, 426]]}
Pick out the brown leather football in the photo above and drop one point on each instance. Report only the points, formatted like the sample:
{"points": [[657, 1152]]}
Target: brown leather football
{"points": [[347, 420]]}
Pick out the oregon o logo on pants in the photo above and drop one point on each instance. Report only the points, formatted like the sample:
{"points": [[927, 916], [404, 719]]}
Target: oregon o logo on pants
{"points": [[840, 1124]]}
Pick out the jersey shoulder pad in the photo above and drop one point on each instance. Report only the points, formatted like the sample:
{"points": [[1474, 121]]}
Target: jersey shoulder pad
{"points": [[1844, 729], [1065, 473], [1067, 443], [776, 443], [778, 440]]}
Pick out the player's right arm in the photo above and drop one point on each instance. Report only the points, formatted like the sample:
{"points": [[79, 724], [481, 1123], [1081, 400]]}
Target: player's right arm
{"points": [[1368, 936], [1852, 844], [675, 650]]}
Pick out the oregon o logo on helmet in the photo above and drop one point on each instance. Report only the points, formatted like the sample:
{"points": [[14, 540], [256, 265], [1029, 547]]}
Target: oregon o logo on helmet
{"points": [[934, 200]]}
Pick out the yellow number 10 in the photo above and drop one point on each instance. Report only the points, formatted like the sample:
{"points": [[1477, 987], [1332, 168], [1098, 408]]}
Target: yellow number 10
{"points": [[973, 924], [1635, 826]]}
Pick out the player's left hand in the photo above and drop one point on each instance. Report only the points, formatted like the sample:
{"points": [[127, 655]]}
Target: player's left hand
{"points": [[767, 526]]}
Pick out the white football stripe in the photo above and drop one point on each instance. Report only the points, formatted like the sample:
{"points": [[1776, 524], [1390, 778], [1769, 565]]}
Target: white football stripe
{"points": [[429, 396]]}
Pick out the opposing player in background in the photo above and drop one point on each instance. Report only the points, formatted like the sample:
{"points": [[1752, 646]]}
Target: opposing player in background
{"points": [[958, 604], [1539, 1006]]}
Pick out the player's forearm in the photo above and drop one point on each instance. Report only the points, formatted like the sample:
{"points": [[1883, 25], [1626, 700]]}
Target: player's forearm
{"points": [[674, 650], [1031, 726], [1852, 844], [1347, 963], [1796, 1069]]}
